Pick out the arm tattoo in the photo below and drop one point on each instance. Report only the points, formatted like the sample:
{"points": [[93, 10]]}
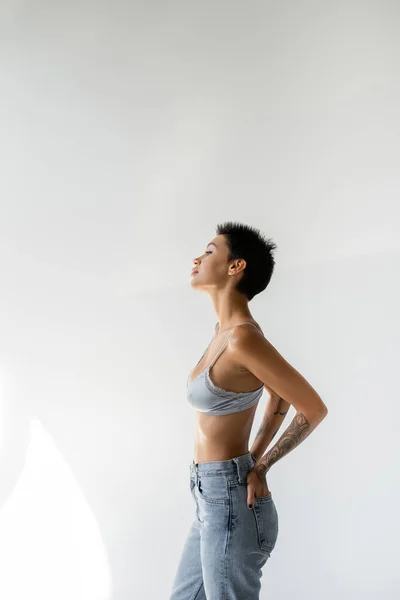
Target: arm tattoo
{"points": [[275, 434], [265, 423], [263, 427], [297, 431], [278, 407]]}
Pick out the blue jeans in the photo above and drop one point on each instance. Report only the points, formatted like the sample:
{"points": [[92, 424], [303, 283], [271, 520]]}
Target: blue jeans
{"points": [[227, 543]]}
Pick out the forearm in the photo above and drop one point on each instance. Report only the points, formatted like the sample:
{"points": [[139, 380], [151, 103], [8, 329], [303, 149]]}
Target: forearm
{"points": [[300, 428], [275, 413]]}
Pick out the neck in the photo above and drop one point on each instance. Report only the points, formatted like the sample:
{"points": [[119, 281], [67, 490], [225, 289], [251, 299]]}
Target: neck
{"points": [[231, 308]]}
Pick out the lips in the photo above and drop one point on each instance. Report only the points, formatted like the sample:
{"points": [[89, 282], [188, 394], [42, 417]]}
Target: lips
{"points": [[194, 272]]}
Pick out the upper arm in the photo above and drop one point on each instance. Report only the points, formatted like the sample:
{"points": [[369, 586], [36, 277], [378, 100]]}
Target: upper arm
{"points": [[260, 357]]}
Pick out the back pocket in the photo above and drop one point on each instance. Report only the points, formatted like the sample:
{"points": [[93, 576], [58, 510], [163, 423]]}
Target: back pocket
{"points": [[267, 522]]}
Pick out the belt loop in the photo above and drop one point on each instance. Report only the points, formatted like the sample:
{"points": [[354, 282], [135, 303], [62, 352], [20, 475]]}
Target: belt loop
{"points": [[238, 469], [243, 467]]}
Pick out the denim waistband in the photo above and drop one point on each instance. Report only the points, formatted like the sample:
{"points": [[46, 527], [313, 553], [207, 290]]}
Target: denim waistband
{"points": [[239, 465]]}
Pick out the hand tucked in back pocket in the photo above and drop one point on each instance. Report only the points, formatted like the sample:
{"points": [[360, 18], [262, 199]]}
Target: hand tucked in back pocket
{"points": [[257, 485]]}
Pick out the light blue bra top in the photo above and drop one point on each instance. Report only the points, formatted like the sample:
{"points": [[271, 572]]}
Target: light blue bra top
{"points": [[206, 397]]}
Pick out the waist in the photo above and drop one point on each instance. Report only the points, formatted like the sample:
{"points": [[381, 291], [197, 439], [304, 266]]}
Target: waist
{"points": [[227, 467]]}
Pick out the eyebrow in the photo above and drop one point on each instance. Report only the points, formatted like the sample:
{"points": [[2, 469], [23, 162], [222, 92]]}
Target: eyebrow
{"points": [[211, 243]]}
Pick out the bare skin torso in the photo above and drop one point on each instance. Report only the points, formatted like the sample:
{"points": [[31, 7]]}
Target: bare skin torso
{"points": [[222, 437]]}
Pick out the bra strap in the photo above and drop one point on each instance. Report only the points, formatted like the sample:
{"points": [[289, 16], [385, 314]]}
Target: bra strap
{"points": [[219, 351], [226, 341]]}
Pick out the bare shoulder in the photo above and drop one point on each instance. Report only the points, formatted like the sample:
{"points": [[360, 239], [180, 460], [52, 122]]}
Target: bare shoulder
{"points": [[242, 337], [252, 350], [248, 336], [245, 329]]}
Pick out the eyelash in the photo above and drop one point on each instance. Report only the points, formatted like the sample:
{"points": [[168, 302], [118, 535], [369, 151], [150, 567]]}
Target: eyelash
{"points": [[208, 252]]}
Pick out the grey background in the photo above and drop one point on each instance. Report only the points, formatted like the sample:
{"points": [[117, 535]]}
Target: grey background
{"points": [[128, 131]]}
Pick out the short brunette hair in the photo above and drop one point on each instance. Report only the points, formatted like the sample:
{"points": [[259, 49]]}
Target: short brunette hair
{"points": [[247, 242]]}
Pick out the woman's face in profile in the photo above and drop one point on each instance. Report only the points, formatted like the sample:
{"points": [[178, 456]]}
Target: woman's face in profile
{"points": [[211, 266]]}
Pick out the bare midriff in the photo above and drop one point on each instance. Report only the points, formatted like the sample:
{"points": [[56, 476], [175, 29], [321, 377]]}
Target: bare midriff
{"points": [[222, 437]]}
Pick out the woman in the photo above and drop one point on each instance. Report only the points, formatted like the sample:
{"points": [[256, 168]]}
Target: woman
{"points": [[236, 523]]}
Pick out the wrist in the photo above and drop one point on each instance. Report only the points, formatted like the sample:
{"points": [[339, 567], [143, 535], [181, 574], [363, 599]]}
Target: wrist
{"points": [[263, 461]]}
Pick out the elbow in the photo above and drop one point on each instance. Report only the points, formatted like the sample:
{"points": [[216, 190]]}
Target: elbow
{"points": [[324, 408], [320, 408], [322, 411], [316, 414]]}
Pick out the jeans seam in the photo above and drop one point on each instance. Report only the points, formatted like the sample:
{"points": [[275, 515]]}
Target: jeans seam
{"points": [[197, 593]]}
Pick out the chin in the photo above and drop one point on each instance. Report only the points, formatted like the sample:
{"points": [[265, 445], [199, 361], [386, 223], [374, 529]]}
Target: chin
{"points": [[194, 283]]}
